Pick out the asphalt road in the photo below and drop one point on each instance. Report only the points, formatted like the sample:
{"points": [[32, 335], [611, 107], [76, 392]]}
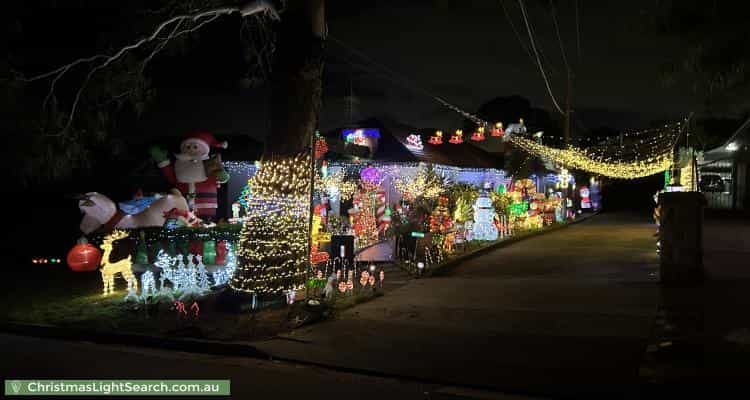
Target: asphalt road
{"points": [[35, 358], [566, 313]]}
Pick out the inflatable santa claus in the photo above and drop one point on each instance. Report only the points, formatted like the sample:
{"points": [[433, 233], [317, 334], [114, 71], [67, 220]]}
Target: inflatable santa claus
{"points": [[196, 174]]}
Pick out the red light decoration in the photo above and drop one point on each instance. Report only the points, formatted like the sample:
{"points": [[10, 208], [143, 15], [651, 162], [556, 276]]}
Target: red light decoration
{"points": [[84, 256], [457, 137], [414, 141], [321, 147], [437, 138], [478, 135], [318, 257], [498, 131]]}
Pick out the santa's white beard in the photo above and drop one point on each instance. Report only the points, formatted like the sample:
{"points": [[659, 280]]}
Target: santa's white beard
{"points": [[189, 170]]}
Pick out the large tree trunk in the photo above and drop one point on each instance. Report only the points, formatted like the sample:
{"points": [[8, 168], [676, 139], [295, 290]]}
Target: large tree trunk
{"points": [[297, 77], [274, 246]]}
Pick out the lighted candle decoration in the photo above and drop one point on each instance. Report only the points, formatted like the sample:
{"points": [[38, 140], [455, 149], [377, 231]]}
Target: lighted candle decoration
{"points": [[478, 135], [457, 137], [498, 131], [437, 138]]}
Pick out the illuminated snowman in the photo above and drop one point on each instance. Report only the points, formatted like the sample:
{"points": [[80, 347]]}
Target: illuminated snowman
{"points": [[484, 214]]}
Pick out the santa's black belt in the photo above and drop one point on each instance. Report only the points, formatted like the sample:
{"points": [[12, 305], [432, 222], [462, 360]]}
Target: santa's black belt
{"points": [[205, 195]]}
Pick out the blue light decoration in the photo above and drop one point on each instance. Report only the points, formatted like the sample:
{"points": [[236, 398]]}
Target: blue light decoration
{"points": [[360, 135], [484, 214], [136, 206]]}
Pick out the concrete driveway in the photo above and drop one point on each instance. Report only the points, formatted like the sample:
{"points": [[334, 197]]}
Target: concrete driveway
{"points": [[566, 313]]}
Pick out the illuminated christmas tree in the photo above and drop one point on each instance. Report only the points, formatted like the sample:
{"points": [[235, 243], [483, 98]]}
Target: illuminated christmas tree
{"points": [[440, 219], [365, 223], [273, 242], [366, 202]]}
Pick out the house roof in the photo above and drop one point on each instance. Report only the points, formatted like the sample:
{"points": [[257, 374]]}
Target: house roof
{"points": [[737, 145], [393, 146]]}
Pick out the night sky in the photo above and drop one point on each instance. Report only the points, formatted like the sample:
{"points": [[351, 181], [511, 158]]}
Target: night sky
{"points": [[467, 52], [464, 51]]}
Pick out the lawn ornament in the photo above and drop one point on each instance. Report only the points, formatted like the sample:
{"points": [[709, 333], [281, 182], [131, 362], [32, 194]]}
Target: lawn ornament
{"points": [[109, 269], [195, 172], [102, 213], [84, 256]]}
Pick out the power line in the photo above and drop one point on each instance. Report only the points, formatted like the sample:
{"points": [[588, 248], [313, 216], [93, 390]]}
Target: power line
{"points": [[405, 82], [553, 11], [515, 31], [539, 62]]}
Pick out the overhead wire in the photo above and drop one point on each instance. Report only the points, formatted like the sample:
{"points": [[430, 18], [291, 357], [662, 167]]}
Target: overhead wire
{"points": [[539, 62], [515, 32]]}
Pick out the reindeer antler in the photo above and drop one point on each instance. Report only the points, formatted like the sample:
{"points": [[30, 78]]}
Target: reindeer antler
{"points": [[116, 235]]}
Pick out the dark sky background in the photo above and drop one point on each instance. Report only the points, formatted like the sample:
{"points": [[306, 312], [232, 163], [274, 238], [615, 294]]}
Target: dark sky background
{"points": [[467, 52], [462, 50]]}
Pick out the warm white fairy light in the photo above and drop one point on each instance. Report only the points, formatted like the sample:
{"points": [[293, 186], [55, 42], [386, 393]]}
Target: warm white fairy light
{"points": [[110, 269], [273, 243], [574, 158], [335, 185], [425, 184]]}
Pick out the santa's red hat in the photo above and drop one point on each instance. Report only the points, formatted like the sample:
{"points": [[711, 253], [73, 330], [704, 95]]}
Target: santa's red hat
{"points": [[205, 139]]}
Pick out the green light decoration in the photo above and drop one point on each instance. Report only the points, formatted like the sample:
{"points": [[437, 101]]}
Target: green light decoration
{"points": [[501, 188], [518, 208], [315, 283], [417, 234], [244, 198], [141, 254], [666, 178], [209, 252]]}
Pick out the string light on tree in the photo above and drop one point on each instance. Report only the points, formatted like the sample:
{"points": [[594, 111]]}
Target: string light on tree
{"points": [[273, 243], [426, 184]]}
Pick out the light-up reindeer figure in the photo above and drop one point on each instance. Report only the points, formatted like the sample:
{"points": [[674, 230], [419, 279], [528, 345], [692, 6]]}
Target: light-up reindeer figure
{"points": [[109, 270]]}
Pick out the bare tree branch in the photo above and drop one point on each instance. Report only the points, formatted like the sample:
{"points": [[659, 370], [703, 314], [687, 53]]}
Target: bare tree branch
{"points": [[253, 8]]}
